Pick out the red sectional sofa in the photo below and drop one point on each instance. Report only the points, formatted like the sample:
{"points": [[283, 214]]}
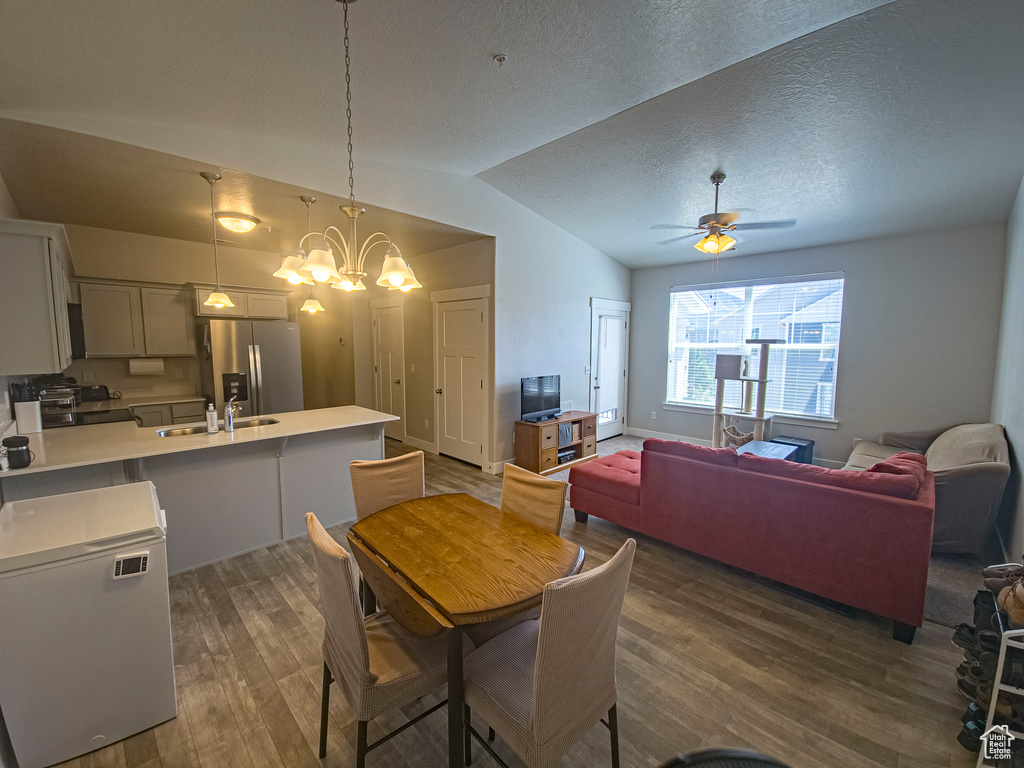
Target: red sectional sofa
{"points": [[860, 538]]}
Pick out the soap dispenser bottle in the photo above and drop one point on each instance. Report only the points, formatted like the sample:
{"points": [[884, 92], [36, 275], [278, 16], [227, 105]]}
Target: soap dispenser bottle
{"points": [[211, 420]]}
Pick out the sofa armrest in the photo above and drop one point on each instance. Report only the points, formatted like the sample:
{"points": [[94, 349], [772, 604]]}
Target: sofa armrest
{"points": [[912, 441]]}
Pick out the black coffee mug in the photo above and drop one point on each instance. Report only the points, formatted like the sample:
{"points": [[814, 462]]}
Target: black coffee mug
{"points": [[18, 454]]}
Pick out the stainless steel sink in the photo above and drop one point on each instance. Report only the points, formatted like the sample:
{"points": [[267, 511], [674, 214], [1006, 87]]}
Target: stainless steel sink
{"points": [[200, 429]]}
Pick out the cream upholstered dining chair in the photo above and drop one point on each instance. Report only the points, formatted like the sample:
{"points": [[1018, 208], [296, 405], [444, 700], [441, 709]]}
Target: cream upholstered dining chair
{"points": [[538, 500], [378, 665], [383, 483], [378, 484], [534, 498], [543, 684]]}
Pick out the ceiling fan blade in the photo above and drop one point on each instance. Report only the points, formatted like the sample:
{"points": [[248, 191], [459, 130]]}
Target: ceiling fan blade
{"points": [[672, 226], [728, 217], [677, 239], [766, 224]]}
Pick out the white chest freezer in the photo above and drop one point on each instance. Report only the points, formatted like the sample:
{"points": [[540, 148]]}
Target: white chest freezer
{"points": [[85, 628]]}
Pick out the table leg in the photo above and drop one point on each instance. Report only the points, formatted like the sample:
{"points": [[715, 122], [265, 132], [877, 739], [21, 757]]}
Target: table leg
{"points": [[456, 699]]}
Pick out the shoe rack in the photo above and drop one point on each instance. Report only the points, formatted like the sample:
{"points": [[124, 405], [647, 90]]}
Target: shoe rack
{"points": [[1009, 639]]}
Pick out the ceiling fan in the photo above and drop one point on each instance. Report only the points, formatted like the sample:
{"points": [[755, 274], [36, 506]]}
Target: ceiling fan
{"points": [[716, 226]]}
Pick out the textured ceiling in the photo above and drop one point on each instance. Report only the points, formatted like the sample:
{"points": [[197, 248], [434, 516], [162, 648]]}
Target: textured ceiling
{"points": [[56, 175], [426, 91], [907, 117]]}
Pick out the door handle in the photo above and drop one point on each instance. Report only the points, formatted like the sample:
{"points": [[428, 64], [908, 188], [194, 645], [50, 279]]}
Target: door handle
{"points": [[438, 391], [597, 386], [398, 381]]}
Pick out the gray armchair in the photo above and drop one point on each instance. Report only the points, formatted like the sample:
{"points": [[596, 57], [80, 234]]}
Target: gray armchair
{"points": [[971, 465]]}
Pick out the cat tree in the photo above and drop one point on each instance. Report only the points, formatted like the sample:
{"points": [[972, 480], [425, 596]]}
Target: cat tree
{"points": [[734, 368]]}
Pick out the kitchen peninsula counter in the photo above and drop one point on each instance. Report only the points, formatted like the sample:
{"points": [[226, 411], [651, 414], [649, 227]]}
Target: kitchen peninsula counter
{"points": [[224, 494]]}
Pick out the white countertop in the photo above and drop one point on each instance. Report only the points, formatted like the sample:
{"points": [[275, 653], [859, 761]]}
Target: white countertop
{"points": [[103, 443], [130, 401]]}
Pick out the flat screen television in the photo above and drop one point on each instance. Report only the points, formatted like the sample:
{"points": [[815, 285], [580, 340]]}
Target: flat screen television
{"points": [[540, 398]]}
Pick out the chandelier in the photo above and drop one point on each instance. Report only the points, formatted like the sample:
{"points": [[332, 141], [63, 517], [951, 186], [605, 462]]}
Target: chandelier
{"points": [[320, 265]]}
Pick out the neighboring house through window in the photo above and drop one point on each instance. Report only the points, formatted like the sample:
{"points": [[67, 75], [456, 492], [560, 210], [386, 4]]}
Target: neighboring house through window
{"points": [[805, 312]]}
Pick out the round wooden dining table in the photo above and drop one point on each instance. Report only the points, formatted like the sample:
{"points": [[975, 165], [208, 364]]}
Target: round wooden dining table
{"points": [[440, 563]]}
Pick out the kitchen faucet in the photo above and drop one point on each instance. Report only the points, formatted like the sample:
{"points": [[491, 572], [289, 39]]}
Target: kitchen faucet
{"points": [[229, 415]]}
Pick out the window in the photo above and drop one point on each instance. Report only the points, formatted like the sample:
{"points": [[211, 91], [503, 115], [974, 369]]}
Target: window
{"points": [[708, 320]]}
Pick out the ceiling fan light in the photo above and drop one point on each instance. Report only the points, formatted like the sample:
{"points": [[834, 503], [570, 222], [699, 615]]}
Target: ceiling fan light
{"points": [[320, 265], [312, 306], [708, 244], [237, 222], [725, 243], [218, 299]]}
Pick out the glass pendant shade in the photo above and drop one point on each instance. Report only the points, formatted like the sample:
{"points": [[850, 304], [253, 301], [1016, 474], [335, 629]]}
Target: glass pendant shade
{"points": [[715, 243], [395, 271], [290, 266], [237, 222], [218, 299], [312, 306], [348, 285], [320, 266], [409, 285]]}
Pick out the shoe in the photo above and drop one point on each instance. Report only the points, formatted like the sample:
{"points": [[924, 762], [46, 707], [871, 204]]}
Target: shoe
{"points": [[1011, 602], [984, 608], [970, 737], [1008, 571], [988, 640], [969, 688], [984, 698], [964, 635], [975, 713]]}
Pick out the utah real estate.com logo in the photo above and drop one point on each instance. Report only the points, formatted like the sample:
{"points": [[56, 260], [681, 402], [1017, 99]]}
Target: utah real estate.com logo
{"points": [[996, 742]]}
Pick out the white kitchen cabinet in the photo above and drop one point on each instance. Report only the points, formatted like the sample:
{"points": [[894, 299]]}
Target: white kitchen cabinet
{"points": [[152, 415], [167, 322], [247, 304], [33, 298], [112, 319], [132, 321]]}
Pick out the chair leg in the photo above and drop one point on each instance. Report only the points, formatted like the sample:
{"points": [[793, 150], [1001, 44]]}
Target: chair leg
{"points": [[325, 701], [367, 598], [613, 727], [468, 746], [581, 517], [361, 745]]}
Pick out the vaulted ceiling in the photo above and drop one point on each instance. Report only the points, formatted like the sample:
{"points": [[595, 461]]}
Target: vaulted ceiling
{"points": [[858, 118]]}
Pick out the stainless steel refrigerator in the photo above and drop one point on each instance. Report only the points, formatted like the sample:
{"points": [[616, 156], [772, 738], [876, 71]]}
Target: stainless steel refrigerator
{"points": [[260, 361]]}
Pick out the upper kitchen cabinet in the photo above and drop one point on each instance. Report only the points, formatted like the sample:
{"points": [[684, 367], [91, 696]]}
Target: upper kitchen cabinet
{"points": [[167, 322], [255, 303], [131, 321], [34, 262]]}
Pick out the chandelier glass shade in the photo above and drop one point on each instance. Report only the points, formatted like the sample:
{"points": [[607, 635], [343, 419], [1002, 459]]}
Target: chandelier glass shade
{"points": [[290, 266], [312, 306]]}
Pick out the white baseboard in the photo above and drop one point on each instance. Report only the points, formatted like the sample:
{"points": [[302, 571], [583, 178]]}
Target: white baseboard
{"points": [[423, 445], [497, 468], [666, 436]]}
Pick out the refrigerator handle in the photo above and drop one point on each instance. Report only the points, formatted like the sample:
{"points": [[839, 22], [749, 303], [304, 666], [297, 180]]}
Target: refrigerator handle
{"points": [[259, 380], [253, 380]]}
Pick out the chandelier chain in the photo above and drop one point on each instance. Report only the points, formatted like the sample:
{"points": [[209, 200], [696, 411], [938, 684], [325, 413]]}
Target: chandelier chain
{"points": [[348, 114]]}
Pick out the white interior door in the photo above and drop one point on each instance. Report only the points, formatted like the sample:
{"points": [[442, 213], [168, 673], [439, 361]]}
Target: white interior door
{"points": [[460, 344], [609, 329], [388, 367]]}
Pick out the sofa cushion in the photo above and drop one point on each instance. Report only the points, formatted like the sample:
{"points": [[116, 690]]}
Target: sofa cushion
{"points": [[903, 463], [865, 453], [724, 456], [617, 475], [900, 486], [967, 444]]}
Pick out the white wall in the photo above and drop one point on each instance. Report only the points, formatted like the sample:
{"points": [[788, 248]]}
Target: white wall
{"points": [[1007, 401], [8, 210], [919, 335], [544, 277]]}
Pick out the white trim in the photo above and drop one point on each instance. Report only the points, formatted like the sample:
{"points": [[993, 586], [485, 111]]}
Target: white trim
{"points": [[461, 294], [497, 468], [388, 303], [779, 418], [423, 445], [385, 303], [760, 281], [636, 432], [596, 303]]}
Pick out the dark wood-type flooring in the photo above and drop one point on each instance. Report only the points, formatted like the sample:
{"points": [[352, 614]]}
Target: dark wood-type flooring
{"points": [[707, 657]]}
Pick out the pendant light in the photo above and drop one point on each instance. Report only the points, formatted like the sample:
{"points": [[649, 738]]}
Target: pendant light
{"points": [[321, 265], [218, 299], [311, 304], [294, 261]]}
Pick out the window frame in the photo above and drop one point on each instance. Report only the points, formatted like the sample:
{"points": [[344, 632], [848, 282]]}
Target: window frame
{"points": [[780, 416]]}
